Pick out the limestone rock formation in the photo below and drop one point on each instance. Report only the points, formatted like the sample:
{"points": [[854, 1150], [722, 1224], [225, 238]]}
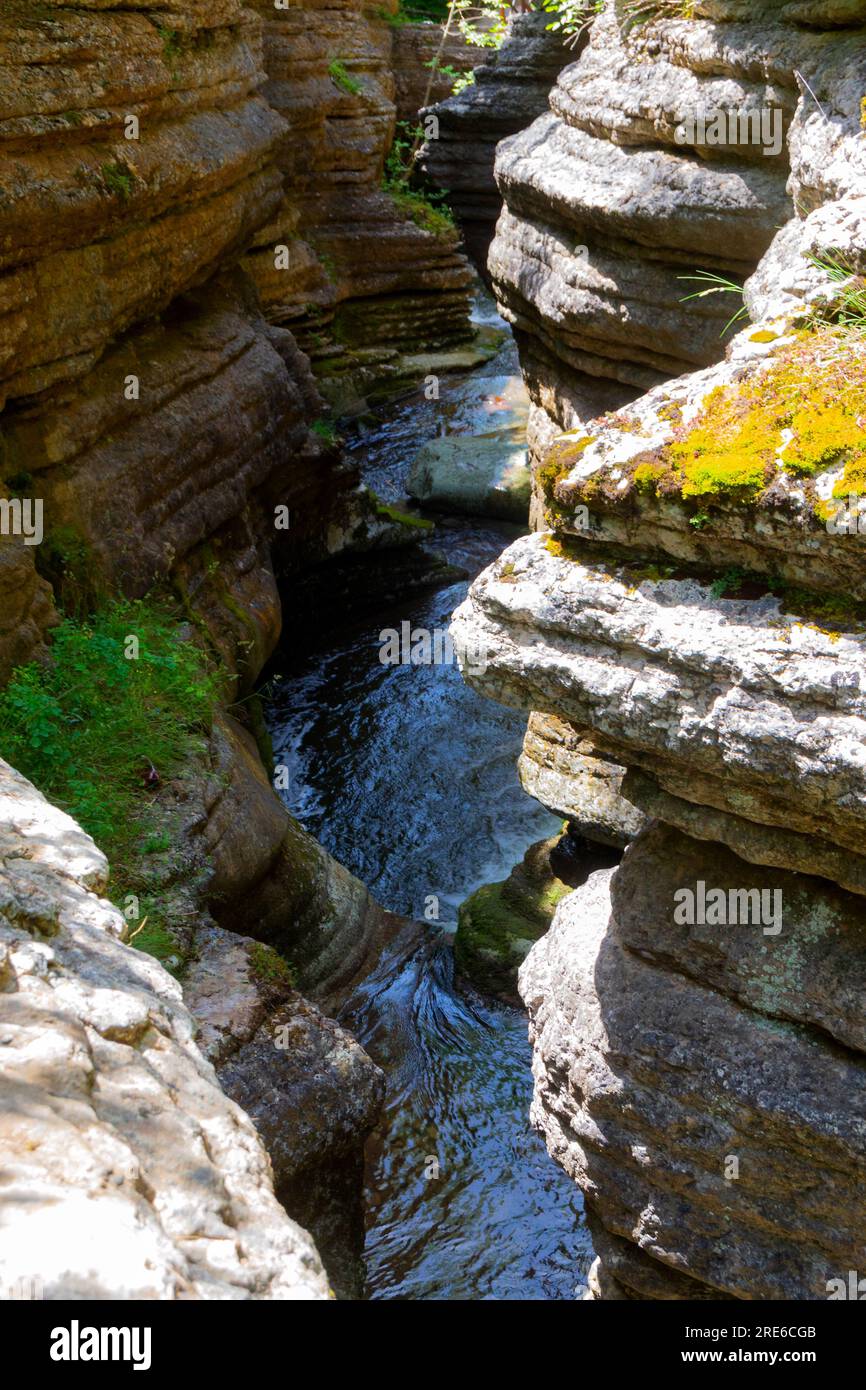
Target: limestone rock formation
{"points": [[145, 218], [499, 922], [360, 283], [311, 1091], [562, 769], [153, 409], [696, 615], [239, 860], [648, 1084], [161, 487], [415, 46], [616, 193], [150, 408], [725, 701], [127, 1172], [474, 475], [26, 605], [174, 434], [510, 89]]}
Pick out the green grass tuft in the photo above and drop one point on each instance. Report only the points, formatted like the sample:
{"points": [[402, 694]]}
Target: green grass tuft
{"points": [[342, 78], [92, 726], [119, 180]]}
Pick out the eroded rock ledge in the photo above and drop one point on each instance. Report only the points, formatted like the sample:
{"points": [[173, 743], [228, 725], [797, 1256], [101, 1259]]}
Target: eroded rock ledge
{"points": [[128, 1172], [662, 1051], [695, 614], [510, 89], [364, 285], [162, 418]]}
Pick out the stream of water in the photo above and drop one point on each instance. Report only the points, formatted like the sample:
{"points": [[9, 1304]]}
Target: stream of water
{"points": [[409, 778]]}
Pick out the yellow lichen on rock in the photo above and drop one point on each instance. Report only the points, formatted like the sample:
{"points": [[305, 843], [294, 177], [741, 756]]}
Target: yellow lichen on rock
{"points": [[804, 411]]}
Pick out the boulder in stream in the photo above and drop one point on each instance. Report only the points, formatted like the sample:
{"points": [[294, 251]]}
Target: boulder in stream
{"points": [[475, 475]]}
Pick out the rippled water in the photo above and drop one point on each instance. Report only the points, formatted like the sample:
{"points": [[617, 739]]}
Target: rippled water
{"points": [[409, 778]]}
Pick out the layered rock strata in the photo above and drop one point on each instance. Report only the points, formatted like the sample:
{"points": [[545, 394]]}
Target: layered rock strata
{"points": [[149, 408], [164, 425], [128, 1173], [720, 1147], [688, 1045], [605, 210], [562, 769], [311, 1091], [510, 89], [696, 614], [359, 282]]}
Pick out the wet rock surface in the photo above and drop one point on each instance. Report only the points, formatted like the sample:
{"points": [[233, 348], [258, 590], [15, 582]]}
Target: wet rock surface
{"points": [[498, 923]]}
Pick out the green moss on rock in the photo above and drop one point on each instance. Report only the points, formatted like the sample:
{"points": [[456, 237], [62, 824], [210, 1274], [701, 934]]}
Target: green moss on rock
{"points": [[797, 413], [499, 923], [269, 967]]}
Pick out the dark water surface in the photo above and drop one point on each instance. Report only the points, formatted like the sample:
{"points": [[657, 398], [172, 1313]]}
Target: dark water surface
{"points": [[409, 779]]}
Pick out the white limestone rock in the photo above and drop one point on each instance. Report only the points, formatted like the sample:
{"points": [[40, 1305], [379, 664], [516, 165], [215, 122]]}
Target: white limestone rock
{"points": [[127, 1173]]}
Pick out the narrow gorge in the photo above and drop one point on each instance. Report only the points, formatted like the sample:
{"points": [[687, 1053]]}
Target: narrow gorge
{"points": [[432, 651]]}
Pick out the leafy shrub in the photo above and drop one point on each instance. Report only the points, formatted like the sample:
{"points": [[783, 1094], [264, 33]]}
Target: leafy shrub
{"points": [[427, 210]]}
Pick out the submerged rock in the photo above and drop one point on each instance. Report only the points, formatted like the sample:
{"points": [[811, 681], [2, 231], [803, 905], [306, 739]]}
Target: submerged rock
{"points": [[498, 923], [475, 475]]}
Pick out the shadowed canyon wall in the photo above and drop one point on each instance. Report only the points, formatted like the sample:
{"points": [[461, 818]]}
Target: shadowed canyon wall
{"points": [[510, 89], [363, 285]]}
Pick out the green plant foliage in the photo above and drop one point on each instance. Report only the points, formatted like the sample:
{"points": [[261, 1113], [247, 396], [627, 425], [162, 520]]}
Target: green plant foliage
{"points": [[425, 210], [342, 78], [716, 284], [171, 44], [270, 968], [849, 309], [572, 17], [484, 25], [326, 431], [64, 559], [95, 727], [119, 180]]}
